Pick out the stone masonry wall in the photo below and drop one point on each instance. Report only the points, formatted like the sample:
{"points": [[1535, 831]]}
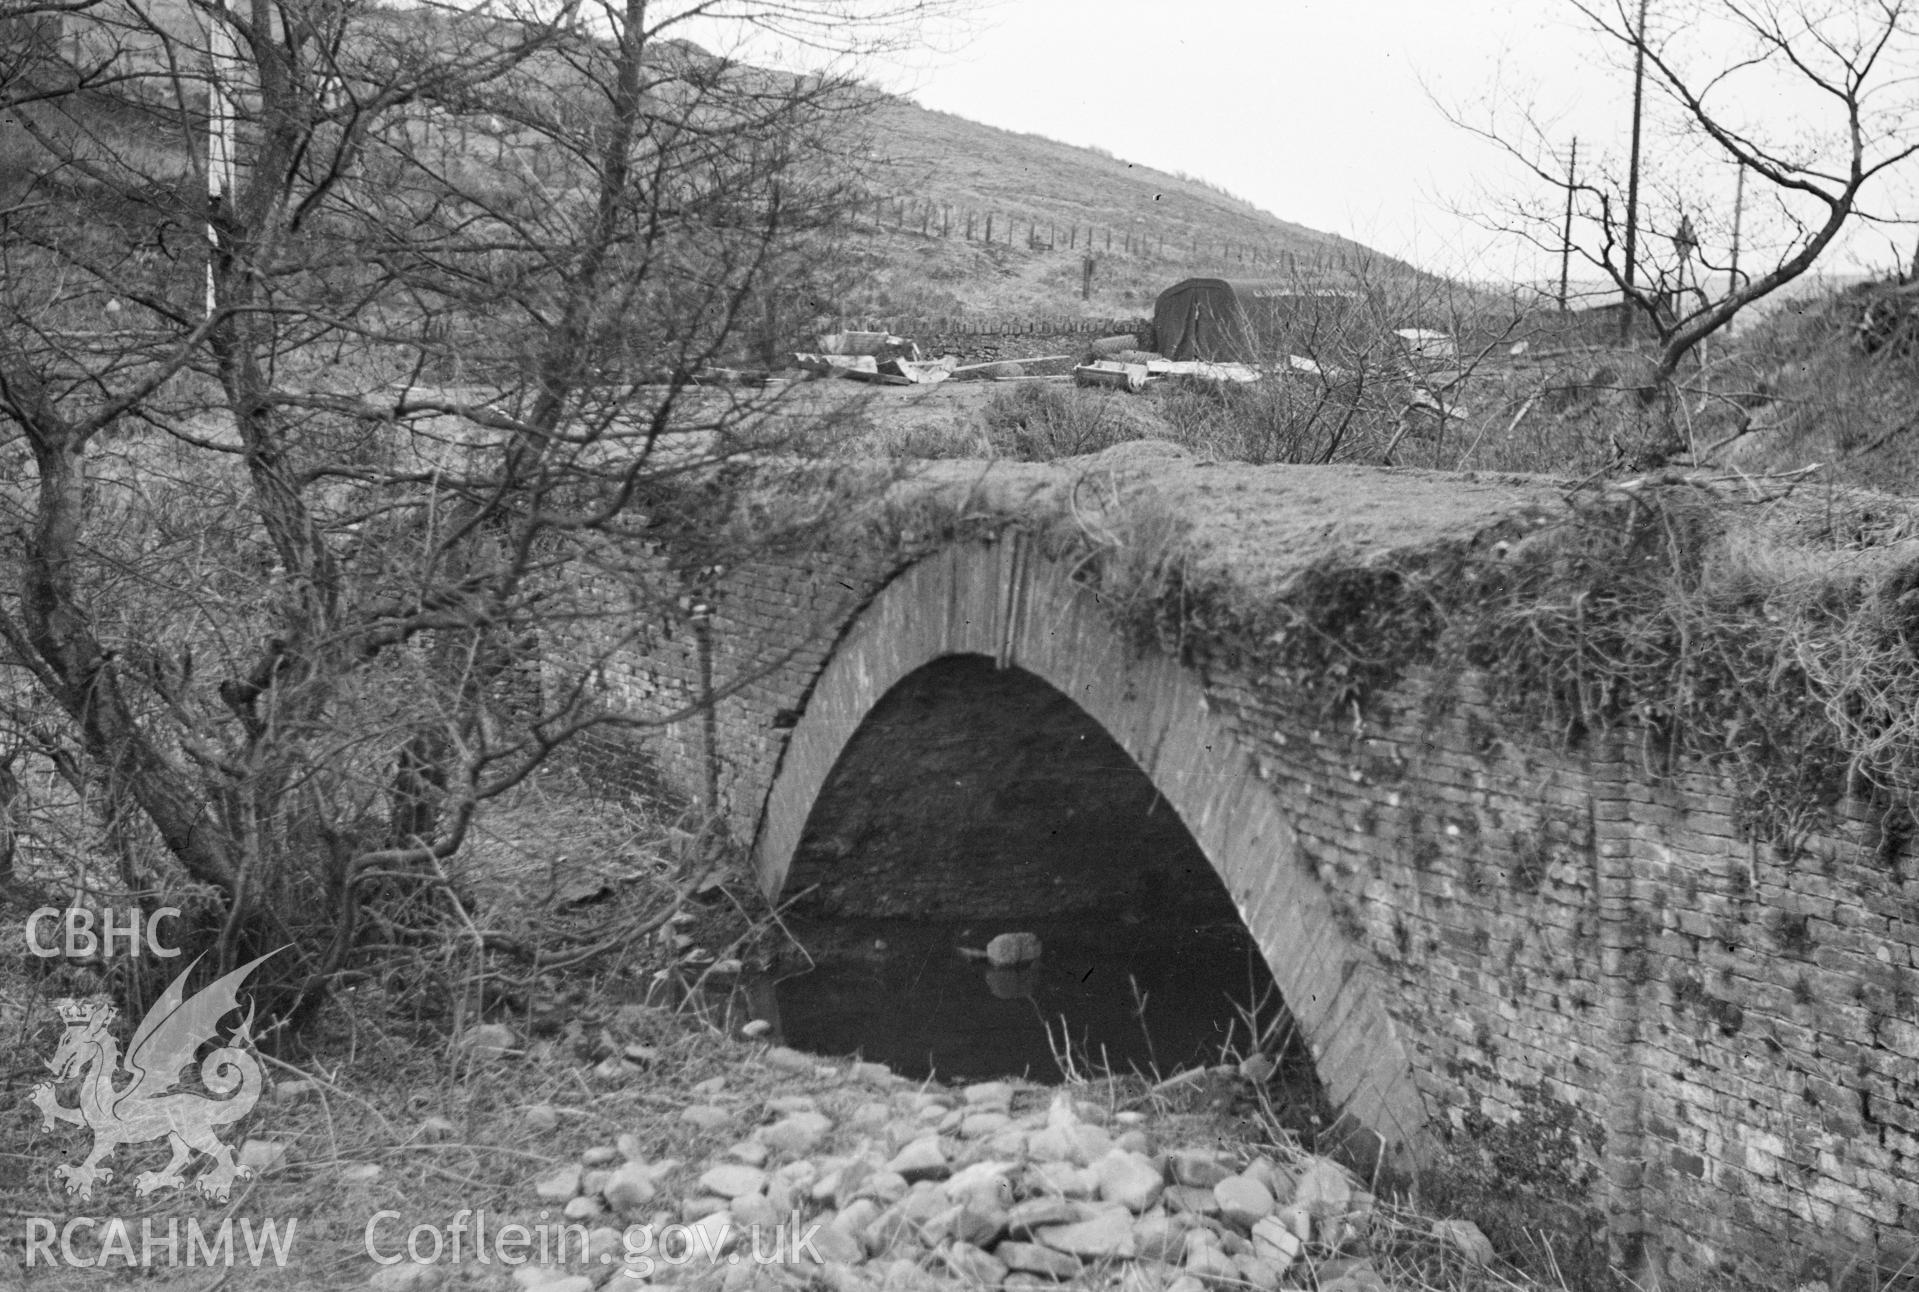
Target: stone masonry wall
{"points": [[1468, 870], [765, 631], [985, 340], [1610, 985], [1618, 1006]]}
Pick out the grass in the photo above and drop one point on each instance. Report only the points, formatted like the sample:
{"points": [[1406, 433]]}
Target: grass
{"points": [[1040, 422], [1761, 624], [949, 160], [1790, 394], [1764, 630], [1502, 423], [1254, 1102], [449, 1135], [952, 165], [568, 875], [1797, 389], [395, 1128], [378, 1087], [1765, 626], [397, 1125], [1398, 1236]]}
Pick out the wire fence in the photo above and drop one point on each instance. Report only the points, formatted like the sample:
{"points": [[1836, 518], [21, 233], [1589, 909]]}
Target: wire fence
{"points": [[935, 219]]}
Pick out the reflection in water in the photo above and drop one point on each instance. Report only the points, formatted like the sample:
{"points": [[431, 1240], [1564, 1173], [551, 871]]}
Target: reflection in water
{"points": [[1013, 984], [1118, 995]]}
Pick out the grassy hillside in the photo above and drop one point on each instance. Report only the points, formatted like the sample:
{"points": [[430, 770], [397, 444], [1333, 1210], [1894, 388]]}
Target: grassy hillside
{"points": [[941, 176], [965, 218], [949, 160]]}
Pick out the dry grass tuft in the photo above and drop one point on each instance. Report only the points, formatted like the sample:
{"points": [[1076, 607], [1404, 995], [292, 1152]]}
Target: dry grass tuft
{"points": [[1043, 421]]}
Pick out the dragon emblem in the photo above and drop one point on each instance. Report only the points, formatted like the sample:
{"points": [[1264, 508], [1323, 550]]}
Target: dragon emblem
{"points": [[149, 1106]]}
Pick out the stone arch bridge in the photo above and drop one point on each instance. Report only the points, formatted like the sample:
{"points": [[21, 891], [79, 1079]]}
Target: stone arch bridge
{"points": [[1566, 985]]}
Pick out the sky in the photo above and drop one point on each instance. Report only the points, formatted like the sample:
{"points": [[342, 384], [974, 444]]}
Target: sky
{"points": [[1334, 114]]}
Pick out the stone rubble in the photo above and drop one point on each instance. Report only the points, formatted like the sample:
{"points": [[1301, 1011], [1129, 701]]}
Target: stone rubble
{"points": [[1467, 1238], [487, 1042], [923, 1188]]}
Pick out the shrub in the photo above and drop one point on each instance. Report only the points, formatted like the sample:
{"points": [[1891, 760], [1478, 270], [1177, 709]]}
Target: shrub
{"points": [[1037, 422], [1814, 394], [1276, 419]]}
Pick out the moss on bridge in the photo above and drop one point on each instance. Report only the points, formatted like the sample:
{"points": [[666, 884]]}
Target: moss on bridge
{"points": [[1542, 751], [1770, 629]]}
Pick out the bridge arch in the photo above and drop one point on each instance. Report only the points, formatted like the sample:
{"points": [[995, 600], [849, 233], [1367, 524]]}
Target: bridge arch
{"points": [[1005, 601]]}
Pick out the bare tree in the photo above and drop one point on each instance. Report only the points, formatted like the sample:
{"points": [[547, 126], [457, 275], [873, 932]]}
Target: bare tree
{"points": [[1810, 102], [299, 469]]}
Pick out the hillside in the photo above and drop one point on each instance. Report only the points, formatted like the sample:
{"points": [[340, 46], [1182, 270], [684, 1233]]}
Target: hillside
{"points": [[941, 177], [949, 160], [964, 218]]}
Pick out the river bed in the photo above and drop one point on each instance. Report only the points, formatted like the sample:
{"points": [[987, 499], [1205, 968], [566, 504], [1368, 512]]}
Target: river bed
{"points": [[1103, 996]]}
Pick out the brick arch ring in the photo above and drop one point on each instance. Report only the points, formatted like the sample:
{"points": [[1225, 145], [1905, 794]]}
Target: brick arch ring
{"points": [[1007, 602]]}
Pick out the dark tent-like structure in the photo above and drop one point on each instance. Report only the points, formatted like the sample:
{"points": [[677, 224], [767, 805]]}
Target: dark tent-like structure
{"points": [[1238, 320]]}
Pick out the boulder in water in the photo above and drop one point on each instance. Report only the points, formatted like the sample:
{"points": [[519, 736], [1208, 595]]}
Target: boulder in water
{"points": [[1010, 949]]}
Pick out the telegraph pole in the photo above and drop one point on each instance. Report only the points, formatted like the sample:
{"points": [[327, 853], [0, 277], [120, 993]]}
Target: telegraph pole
{"points": [[1566, 238], [220, 168], [1632, 179]]}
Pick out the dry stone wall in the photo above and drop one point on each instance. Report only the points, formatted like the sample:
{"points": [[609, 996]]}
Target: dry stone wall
{"points": [[985, 340], [1622, 1015]]}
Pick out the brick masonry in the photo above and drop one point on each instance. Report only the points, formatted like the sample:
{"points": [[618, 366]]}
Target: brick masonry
{"points": [[1566, 983]]}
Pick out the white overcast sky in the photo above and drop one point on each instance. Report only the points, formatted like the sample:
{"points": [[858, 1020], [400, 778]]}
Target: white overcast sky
{"points": [[1319, 111]]}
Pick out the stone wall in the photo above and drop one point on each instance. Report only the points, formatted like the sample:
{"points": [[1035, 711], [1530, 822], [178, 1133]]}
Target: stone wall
{"points": [[1468, 868], [1615, 1008], [1604, 973], [751, 638], [986, 340]]}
